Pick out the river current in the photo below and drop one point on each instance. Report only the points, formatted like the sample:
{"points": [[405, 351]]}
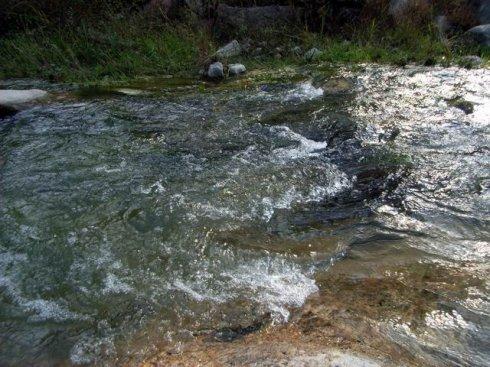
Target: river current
{"points": [[129, 221]]}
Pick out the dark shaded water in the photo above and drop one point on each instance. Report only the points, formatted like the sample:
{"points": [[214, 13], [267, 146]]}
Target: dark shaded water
{"points": [[127, 222]]}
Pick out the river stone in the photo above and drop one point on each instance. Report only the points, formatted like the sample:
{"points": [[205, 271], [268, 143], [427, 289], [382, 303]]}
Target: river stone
{"points": [[231, 49], [471, 61], [129, 91], [312, 54], [237, 69], [481, 34], [215, 71], [15, 98], [296, 51]]}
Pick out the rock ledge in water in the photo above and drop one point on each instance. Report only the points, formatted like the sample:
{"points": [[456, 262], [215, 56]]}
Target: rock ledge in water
{"points": [[12, 100]]}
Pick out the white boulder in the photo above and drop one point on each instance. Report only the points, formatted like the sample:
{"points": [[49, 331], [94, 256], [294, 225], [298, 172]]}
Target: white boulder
{"points": [[236, 69], [17, 98]]}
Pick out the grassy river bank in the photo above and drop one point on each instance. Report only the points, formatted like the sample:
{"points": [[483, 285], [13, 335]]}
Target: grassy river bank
{"points": [[125, 48]]}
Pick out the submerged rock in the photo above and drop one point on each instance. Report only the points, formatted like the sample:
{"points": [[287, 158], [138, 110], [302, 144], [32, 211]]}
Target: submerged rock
{"points": [[215, 71], [481, 34], [312, 54], [237, 69], [231, 49], [465, 106], [334, 85]]}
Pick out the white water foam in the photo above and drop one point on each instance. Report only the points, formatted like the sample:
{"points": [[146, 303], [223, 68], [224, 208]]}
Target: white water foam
{"points": [[304, 91], [114, 285], [438, 319], [305, 148], [277, 285], [199, 296]]}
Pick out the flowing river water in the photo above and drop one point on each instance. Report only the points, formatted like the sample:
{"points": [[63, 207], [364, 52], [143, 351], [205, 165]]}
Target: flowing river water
{"points": [[132, 221]]}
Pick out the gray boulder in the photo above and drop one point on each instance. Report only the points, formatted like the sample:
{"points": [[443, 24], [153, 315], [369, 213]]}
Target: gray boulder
{"points": [[312, 54], [231, 49], [471, 61], [481, 34], [215, 71], [237, 69]]}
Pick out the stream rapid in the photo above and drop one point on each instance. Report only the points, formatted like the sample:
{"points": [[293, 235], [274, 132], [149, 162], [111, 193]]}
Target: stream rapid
{"points": [[132, 221]]}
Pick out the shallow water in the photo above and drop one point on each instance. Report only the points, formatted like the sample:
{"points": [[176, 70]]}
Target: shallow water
{"points": [[129, 222]]}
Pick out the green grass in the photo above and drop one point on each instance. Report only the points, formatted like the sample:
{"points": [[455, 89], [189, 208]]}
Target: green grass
{"points": [[398, 46], [124, 48], [118, 50]]}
